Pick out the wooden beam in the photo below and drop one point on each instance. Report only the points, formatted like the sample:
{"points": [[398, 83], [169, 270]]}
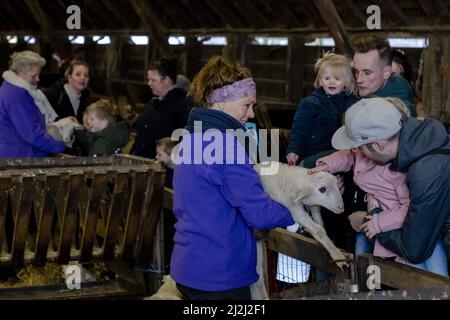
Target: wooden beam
{"points": [[252, 17], [395, 12], [172, 10], [282, 13], [301, 248], [236, 48], [295, 68], [402, 276], [16, 20], [227, 14], [331, 18], [154, 26], [435, 10], [98, 11], [117, 12], [201, 15], [358, 17], [309, 12]]}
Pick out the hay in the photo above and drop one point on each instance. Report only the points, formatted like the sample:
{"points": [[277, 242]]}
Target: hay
{"points": [[30, 275]]}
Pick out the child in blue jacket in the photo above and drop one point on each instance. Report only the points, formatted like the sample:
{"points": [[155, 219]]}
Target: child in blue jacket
{"points": [[319, 115]]}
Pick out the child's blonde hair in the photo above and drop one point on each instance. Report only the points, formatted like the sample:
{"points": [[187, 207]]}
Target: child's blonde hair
{"points": [[400, 105], [103, 110], [341, 69]]}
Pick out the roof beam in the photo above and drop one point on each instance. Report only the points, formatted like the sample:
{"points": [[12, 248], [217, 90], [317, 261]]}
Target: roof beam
{"points": [[435, 9], [358, 18], [395, 12], [173, 9], [332, 20], [198, 12], [154, 25], [227, 14], [117, 12]]}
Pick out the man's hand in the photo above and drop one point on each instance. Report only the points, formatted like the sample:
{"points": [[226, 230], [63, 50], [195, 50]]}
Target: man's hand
{"points": [[368, 229], [292, 159], [356, 220], [322, 167]]}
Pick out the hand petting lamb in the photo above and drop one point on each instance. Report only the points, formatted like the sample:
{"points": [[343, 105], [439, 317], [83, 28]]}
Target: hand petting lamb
{"points": [[295, 188]]}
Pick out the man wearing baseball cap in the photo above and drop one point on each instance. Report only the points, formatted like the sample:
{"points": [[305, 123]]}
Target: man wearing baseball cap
{"points": [[419, 148]]}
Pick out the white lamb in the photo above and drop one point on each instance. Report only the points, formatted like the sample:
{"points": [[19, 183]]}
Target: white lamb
{"points": [[295, 188]]}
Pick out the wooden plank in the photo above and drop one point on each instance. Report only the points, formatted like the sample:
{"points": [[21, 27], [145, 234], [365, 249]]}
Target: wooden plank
{"points": [[168, 198], [301, 248], [4, 196], [402, 276], [137, 201], [22, 214], [45, 221], [295, 68], [331, 18], [68, 222], [97, 190], [150, 216]]}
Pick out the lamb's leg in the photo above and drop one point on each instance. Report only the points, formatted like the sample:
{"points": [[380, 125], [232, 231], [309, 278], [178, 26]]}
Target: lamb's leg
{"points": [[316, 215], [258, 289], [318, 232]]}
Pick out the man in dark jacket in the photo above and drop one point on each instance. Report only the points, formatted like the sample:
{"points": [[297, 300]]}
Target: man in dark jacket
{"points": [[422, 150], [373, 70], [167, 111]]}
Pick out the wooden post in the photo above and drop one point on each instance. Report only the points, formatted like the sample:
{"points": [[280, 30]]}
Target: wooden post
{"points": [[192, 56], [436, 78], [295, 68], [331, 18], [236, 48]]}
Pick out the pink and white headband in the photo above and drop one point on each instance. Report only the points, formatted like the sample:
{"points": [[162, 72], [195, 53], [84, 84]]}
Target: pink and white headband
{"points": [[231, 92]]}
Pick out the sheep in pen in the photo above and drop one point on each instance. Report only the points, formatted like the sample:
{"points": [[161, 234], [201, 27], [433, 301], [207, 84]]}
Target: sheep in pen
{"points": [[294, 188]]}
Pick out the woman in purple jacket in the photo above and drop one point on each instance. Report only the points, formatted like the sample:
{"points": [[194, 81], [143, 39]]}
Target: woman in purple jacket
{"points": [[22, 121], [219, 198]]}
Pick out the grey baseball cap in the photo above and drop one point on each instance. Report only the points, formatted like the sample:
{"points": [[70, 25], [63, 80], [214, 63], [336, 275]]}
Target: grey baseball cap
{"points": [[366, 121]]}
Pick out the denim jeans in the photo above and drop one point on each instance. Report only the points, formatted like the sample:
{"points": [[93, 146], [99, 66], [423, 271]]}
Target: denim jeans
{"points": [[436, 263], [362, 244]]}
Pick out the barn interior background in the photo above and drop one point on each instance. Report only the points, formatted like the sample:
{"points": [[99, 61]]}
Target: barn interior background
{"points": [[279, 40]]}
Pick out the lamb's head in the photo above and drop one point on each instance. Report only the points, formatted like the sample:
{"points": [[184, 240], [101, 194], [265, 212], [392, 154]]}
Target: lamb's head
{"points": [[321, 190]]}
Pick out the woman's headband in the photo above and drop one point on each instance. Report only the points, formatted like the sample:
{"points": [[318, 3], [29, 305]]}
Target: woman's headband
{"points": [[231, 92]]}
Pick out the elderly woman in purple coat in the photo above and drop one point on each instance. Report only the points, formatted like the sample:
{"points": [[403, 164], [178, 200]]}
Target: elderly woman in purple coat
{"points": [[24, 110]]}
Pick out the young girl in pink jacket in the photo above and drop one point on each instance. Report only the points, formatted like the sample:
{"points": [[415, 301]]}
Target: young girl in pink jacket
{"points": [[389, 190]]}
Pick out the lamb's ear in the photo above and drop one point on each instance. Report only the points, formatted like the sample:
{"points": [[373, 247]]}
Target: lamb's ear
{"points": [[306, 190]]}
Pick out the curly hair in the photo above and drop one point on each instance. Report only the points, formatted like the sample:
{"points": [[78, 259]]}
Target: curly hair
{"points": [[216, 73]]}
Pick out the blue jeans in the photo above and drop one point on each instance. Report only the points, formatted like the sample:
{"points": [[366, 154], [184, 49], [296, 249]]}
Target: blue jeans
{"points": [[436, 263], [362, 244]]}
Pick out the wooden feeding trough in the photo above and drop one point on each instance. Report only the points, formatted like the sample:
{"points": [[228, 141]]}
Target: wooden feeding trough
{"points": [[63, 210]]}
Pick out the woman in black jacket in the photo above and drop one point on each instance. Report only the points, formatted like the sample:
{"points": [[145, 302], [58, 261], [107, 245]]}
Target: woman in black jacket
{"points": [[68, 96], [166, 111]]}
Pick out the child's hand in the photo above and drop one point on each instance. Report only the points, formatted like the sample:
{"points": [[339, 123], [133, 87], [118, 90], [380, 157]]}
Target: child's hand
{"points": [[322, 167], [356, 220], [292, 159], [368, 228]]}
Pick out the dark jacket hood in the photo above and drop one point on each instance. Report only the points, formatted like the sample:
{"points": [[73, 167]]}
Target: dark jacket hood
{"points": [[418, 138]]}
